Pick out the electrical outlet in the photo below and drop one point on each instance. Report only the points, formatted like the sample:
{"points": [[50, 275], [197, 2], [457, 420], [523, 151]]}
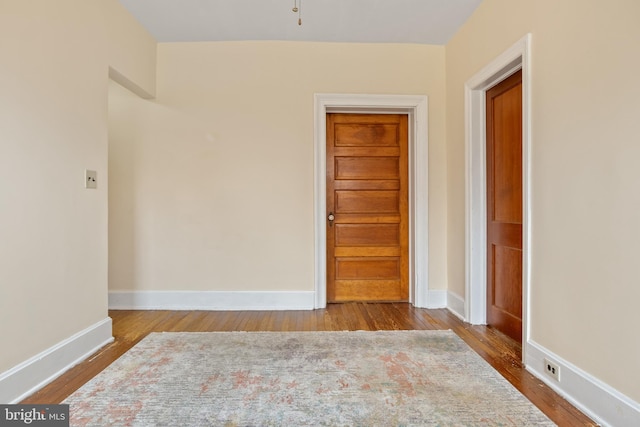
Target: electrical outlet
{"points": [[552, 369], [90, 179]]}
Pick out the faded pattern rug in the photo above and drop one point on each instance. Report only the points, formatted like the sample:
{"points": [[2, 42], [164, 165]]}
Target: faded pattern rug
{"points": [[385, 378]]}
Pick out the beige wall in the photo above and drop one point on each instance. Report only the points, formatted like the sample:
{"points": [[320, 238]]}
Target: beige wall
{"points": [[211, 184], [585, 150], [54, 62]]}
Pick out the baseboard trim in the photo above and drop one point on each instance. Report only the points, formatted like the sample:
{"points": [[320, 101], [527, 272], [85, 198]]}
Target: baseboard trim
{"points": [[211, 300], [598, 400], [455, 304], [436, 299], [31, 375]]}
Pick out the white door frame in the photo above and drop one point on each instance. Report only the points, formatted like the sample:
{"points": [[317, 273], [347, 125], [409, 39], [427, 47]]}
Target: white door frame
{"points": [[517, 57], [416, 107]]}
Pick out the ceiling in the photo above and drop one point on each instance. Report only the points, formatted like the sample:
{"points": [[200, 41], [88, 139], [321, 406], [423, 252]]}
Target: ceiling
{"points": [[357, 21]]}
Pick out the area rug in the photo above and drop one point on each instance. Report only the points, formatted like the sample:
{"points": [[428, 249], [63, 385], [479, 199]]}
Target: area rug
{"points": [[386, 378]]}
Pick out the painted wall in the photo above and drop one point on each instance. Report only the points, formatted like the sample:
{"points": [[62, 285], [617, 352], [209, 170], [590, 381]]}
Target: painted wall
{"points": [[585, 150], [211, 184], [54, 65]]}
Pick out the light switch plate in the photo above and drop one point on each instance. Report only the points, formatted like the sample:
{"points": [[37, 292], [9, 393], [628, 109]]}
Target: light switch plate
{"points": [[90, 179]]}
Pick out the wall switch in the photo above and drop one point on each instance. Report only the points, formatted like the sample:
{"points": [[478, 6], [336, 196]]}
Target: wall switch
{"points": [[90, 179]]}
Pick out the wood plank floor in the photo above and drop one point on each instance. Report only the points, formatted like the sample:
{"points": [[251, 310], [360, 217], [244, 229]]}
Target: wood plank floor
{"points": [[129, 327]]}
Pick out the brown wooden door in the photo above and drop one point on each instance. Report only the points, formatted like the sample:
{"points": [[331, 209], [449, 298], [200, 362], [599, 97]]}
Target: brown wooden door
{"points": [[504, 206], [367, 193]]}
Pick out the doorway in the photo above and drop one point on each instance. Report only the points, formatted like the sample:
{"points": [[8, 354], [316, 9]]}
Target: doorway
{"points": [[517, 57], [416, 109]]}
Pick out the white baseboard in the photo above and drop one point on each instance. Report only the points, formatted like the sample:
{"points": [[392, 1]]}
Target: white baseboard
{"points": [[211, 300], [28, 377], [455, 304], [436, 299], [601, 402]]}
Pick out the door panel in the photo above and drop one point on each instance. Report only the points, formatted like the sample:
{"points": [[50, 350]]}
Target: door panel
{"points": [[505, 298], [393, 251], [367, 235], [367, 168], [366, 134], [367, 268], [504, 206], [367, 192], [369, 290], [366, 201]]}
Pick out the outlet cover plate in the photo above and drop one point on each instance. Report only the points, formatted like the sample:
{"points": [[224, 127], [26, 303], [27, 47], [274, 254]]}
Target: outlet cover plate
{"points": [[552, 369], [90, 179]]}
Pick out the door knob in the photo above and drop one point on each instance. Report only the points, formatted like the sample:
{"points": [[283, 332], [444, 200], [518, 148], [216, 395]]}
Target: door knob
{"points": [[331, 217]]}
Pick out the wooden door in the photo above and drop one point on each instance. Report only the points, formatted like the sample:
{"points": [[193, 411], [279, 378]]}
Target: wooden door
{"points": [[367, 198], [504, 206]]}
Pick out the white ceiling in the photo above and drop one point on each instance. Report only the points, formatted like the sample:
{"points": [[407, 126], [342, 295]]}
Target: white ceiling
{"points": [[367, 21]]}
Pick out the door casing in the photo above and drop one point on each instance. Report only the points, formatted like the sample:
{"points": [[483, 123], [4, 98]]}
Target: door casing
{"points": [[416, 107], [517, 57]]}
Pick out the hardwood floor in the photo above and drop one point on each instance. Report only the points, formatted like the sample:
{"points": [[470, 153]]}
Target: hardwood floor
{"points": [[504, 354]]}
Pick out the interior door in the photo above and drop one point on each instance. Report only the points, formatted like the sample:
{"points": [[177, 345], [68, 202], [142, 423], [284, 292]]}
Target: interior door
{"points": [[367, 207], [504, 206]]}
